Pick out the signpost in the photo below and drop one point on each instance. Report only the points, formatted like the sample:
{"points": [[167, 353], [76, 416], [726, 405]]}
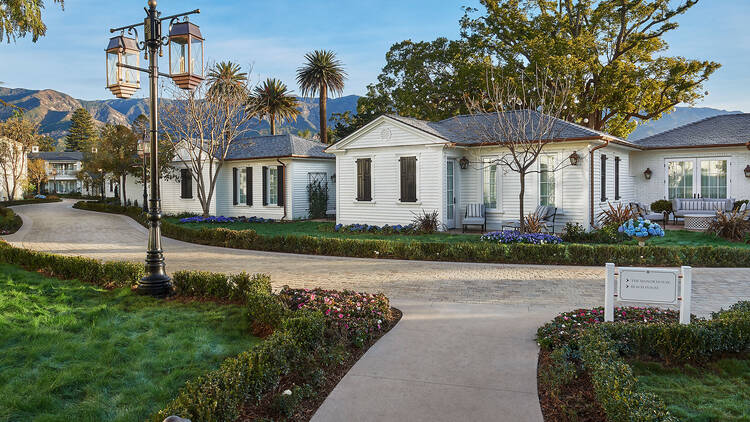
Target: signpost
{"points": [[648, 285]]}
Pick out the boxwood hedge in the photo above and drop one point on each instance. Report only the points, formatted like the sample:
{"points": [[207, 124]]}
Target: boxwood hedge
{"points": [[549, 254]]}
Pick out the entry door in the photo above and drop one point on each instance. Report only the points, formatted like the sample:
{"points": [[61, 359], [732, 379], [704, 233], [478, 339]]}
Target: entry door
{"points": [[450, 194], [697, 177]]}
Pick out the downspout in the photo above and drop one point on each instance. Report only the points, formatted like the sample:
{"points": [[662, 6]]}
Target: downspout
{"points": [[591, 179], [283, 191]]}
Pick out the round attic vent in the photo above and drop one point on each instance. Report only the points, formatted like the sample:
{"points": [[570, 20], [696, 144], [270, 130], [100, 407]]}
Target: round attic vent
{"points": [[385, 134]]}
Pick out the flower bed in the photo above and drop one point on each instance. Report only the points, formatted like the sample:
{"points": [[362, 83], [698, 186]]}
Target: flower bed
{"points": [[641, 228], [514, 236], [367, 228], [222, 219], [353, 315]]}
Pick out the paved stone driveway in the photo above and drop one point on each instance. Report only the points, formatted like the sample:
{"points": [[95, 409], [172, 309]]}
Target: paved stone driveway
{"points": [[465, 348]]}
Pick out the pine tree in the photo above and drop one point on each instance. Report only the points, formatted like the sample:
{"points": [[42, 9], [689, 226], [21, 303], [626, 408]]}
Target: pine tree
{"points": [[81, 130]]}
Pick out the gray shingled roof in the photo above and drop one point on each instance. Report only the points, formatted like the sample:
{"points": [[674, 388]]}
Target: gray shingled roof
{"points": [[286, 145], [474, 129], [728, 129], [58, 156]]}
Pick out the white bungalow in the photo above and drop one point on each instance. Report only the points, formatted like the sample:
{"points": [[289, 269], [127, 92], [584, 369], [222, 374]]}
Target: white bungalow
{"points": [[396, 167], [264, 176]]}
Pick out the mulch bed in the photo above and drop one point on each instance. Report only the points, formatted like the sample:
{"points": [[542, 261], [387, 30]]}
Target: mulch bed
{"points": [[575, 401], [333, 374]]}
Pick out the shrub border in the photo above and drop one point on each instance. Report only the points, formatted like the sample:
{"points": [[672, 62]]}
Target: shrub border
{"points": [[548, 254], [28, 201]]}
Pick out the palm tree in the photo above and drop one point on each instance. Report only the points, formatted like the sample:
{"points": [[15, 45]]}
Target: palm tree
{"points": [[323, 73], [273, 100], [225, 78]]}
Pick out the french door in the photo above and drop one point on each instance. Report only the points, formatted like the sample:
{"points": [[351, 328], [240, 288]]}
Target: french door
{"points": [[450, 194], [697, 177]]}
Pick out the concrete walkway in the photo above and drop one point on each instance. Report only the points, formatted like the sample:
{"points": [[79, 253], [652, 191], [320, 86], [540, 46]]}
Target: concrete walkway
{"points": [[464, 349]]}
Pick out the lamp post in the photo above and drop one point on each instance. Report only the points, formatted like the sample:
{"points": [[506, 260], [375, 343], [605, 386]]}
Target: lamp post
{"points": [[101, 179], [186, 67], [144, 150]]}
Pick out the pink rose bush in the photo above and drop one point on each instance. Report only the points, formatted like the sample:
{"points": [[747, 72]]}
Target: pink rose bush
{"points": [[568, 326], [352, 315]]}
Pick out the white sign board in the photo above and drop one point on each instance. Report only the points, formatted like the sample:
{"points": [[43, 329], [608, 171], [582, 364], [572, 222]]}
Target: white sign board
{"points": [[648, 285]]}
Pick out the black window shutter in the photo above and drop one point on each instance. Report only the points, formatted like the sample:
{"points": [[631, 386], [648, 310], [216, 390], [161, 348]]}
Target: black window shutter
{"points": [[617, 178], [186, 184], [603, 176], [234, 185], [408, 179], [249, 185], [265, 185], [360, 180], [367, 180], [280, 185], [402, 162]]}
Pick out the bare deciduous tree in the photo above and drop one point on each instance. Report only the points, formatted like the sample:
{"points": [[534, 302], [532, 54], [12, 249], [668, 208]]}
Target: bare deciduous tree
{"points": [[521, 116], [204, 125], [17, 136]]}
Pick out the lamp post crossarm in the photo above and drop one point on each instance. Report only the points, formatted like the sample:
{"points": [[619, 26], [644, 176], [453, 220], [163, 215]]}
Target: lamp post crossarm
{"points": [[140, 69]]}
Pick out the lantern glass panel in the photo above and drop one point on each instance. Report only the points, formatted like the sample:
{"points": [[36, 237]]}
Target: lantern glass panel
{"points": [[130, 76], [196, 56], [178, 56], [112, 78]]}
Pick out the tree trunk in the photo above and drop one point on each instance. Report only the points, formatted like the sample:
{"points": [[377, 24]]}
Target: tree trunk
{"points": [[323, 114], [124, 197], [273, 124], [522, 179]]}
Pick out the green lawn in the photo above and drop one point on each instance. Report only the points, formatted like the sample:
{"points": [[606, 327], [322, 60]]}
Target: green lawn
{"points": [[325, 229], [74, 352], [689, 238], [718, 392]]}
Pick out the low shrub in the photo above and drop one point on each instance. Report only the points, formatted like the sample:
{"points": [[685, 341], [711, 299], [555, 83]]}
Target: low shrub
{"points": [[533, 223], [615, 214], [490, 252], [30, 201], [576, 233], [640, 228], [730, 225], [105, 274], [426, 222], [352, 316], [10, 222], [317, 195], [266, 312], [367, 228], [514, 236], [222, 220], [233, 287], [662, 206]]}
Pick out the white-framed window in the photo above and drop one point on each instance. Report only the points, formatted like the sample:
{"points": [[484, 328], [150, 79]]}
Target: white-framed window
{"points": [[489, 182], [706, 177], [273, 186], [547, 165], [241, 187]]}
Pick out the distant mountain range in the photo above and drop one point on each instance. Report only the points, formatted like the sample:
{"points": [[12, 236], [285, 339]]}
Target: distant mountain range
{"points": [[52, 109]]}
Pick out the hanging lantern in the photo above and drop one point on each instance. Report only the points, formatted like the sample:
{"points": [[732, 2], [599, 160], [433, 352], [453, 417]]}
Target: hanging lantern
{"points": [[647, 174], [747, 171], [186, 55], [463, 163], [574, 158], [123, 82]]}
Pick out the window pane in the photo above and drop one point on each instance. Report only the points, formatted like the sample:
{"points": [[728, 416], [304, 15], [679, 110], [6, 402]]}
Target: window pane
{"points": [[273, 191], [714, 178], [680, 179], [242, 187], [546, 180], [196, 57], [111, 69], [489, 176], [178, 56], [130, 76]]}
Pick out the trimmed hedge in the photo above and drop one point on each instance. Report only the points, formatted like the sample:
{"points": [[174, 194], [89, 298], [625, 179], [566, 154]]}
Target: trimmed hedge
{"points": [[549, 254], [601, 350], [29, 201], [105, 274], [10, 222]]}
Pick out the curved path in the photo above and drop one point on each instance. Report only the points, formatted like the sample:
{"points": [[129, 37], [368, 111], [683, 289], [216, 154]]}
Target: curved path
{"points": [[463, 351]]}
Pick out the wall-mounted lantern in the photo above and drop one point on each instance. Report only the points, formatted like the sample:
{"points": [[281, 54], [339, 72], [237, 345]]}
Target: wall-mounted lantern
{"points": [[647, 173], [333, 178], [463, 163], [123, 82], [747, 171], [574, 158], [186, 54]]}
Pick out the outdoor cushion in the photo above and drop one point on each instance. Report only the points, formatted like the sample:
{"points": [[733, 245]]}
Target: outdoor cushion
{"points": [[474, 214]]}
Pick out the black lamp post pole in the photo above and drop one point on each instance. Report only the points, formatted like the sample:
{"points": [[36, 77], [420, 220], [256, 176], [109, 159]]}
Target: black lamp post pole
{"points": [[145, 193], [156, 282]]}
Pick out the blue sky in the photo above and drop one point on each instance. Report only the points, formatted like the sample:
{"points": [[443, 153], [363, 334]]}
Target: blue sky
{"points": [[273, 36]]}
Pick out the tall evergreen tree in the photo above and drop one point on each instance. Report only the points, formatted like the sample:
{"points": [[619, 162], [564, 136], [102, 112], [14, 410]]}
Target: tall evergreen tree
{"points": [[82, 130]]}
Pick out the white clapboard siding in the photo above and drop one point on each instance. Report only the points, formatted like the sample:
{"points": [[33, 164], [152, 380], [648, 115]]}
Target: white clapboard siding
{"points": [[171, 191], [299, 178]]}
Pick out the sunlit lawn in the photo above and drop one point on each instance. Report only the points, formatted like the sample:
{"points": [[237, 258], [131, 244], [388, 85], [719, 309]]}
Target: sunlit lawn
{"points": [[690, 238], [74, 352], [718, 392]]}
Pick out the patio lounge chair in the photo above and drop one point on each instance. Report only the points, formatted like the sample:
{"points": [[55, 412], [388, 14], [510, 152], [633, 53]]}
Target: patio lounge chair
{"points": [[545, 213], [645, 213], [475, 216]]}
